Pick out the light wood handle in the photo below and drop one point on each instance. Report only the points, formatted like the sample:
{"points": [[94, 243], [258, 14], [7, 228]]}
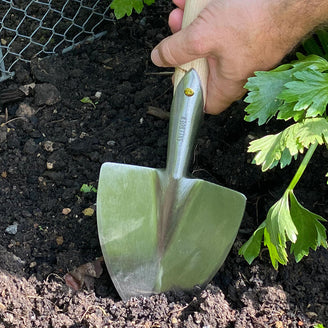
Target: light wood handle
{"points": [[191, 11]]}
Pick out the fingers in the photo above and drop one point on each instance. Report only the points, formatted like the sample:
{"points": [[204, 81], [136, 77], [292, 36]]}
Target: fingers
{"points": [[223, 96], [176, 16], [222, 89], [175, 20], [183, 46], [180, 3]]}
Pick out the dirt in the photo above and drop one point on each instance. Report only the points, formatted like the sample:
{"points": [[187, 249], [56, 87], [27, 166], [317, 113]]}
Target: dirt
{"points": [[51, 144]]}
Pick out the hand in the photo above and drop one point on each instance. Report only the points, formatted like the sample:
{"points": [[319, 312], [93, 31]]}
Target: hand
{"points": [[237, 37]]}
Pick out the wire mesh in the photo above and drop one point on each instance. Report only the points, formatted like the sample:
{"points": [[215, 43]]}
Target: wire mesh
{"points": [[36, 28]]}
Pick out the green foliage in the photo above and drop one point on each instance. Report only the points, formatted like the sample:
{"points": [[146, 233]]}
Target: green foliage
{"points": [[318, 44], [87, 188], [319, 325], [308, 93], [125, 7], [287, 220], [280, 91], [87, 100], [297, 91], [282, 147]]}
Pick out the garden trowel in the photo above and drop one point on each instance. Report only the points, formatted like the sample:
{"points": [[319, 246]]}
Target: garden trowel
{"points": [[160, 229]]}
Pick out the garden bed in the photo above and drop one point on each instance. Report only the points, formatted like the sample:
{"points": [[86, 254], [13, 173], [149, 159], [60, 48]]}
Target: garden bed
{"points": [[51, 144]]}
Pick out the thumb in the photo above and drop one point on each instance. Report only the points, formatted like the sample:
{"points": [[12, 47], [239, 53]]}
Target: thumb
{"points": [[183, 46]]}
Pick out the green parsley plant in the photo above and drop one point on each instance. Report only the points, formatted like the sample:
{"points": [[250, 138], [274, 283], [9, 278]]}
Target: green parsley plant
{"points": [[125, 7], [85, 188], [87, 100], [318, 325], [297, 92]]}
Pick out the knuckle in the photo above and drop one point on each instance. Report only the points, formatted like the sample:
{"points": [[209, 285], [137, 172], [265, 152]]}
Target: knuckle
{"points": [[196, 40], [200, 36]]}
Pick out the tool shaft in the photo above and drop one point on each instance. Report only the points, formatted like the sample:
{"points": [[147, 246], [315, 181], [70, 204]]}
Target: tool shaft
{"points": [[186, 117]]}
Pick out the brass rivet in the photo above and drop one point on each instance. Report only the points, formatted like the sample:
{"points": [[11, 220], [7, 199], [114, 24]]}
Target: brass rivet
{"points": [[189, 92]]}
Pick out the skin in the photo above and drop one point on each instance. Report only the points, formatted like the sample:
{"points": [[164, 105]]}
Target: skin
{"points": [[238, 37]]}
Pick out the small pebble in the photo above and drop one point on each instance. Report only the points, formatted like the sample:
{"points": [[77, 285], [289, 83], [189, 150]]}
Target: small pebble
{"points": [[66, 211], [46, 94], [12, 229], [60, 240], [98, 94], [48, 146], [25, 110], [50, 166], [88, 211], [111, 143]]}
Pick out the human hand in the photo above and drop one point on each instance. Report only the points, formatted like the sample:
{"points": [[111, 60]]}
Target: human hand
{"points": [[237, 37]]}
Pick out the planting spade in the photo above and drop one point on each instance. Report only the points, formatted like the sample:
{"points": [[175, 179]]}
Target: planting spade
{"points": [[161, 229]]}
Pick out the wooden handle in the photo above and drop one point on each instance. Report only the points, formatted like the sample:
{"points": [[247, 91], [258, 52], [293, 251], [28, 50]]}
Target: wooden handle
{"points": [[191, 11]]}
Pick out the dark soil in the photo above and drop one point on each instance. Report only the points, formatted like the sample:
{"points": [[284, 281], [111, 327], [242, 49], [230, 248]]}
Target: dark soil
{"points": [[51, 144]]}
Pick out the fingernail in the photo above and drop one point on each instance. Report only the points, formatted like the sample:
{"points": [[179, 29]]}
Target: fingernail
{"points": [[155, 56]]}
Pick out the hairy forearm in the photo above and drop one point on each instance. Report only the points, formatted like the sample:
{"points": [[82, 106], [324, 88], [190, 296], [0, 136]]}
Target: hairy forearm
{"points": [[315, 11], [290, 21], [302, 16]]}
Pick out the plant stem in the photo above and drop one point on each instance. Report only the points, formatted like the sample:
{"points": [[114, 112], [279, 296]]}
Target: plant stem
{"points": [[302, 167]]}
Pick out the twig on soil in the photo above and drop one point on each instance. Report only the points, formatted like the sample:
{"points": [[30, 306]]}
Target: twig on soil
{"points": [[55, 275], [180, 310], [159, 73], [158, 112], [94, 306], [164, 93], [13, 119], [56, 121]]}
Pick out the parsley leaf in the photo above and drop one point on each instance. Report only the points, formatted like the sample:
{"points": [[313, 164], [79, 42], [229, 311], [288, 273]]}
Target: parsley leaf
{"points": [[311, 233], [309, 92], [85, 188], [297, 91], [251, 249], [277, 228], [280, 148], [125, 7], [264, 89], [286, 221], [274, 91]]}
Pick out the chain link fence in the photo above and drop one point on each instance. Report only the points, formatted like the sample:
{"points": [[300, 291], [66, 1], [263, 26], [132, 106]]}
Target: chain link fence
{"points": [[33, 28]]}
